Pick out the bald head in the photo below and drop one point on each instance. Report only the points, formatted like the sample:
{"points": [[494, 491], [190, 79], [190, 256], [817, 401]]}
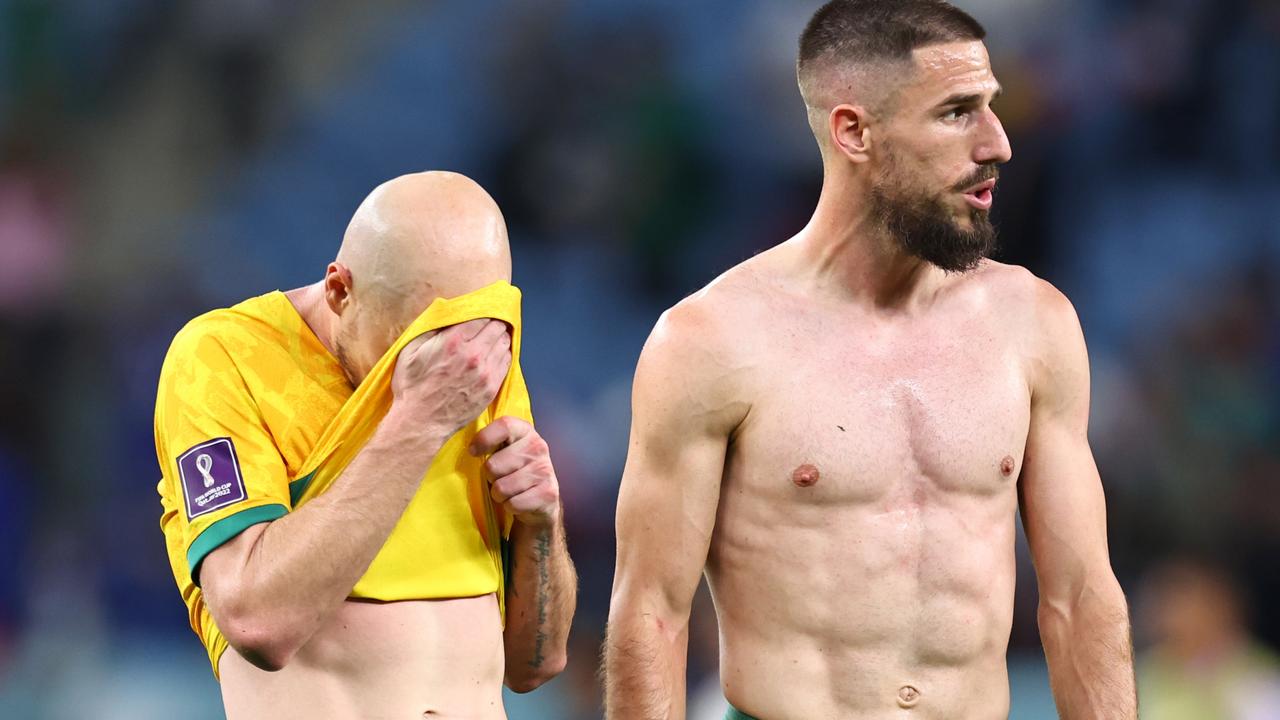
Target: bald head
{"points": [[414, 239], [426, 235]]}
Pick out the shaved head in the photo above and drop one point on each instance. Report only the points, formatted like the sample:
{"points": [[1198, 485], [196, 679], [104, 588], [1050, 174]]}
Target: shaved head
{"points": [[414, 239], [435, 234]]}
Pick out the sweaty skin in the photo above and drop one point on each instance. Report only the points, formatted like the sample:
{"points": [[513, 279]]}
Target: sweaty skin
{"points": [[278, 591], [839, 435], [890, 582]]}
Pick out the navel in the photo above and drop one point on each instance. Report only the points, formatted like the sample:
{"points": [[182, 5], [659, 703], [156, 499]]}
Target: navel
{"points": [[805, 476], [908, 696], [1007, 465]]}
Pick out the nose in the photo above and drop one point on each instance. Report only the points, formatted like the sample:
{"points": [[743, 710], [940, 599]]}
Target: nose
{"points": [[993, 143]]}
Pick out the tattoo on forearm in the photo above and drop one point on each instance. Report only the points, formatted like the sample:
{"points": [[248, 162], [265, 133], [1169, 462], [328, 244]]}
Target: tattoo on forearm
{"points": [[542, 552]]}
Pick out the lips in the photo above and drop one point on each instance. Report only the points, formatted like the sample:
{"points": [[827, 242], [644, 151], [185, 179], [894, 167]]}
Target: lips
{"points": [[981, 195]]}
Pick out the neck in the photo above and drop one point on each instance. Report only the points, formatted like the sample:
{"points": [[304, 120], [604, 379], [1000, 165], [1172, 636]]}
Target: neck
{"points": [[848, 251], [310, 304]]}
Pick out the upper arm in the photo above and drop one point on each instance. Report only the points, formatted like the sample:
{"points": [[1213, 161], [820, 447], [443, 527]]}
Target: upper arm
{"points": [[682, 417], [223, 473], [1062, 503]]}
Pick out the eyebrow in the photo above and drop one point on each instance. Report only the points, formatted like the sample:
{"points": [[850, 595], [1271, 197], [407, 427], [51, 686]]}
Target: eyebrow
{"points": [[970, 98]]}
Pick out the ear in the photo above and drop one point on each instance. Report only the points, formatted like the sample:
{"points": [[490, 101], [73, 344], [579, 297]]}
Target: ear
{"points": [[337, 287], [850, 130]]}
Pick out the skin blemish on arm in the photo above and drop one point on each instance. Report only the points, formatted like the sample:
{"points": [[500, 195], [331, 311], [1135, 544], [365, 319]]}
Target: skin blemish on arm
{"points": [[1007, 465], [805, 476]]}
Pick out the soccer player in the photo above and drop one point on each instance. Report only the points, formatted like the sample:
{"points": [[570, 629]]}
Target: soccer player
{"points": [[840, 430], [380, 594]]}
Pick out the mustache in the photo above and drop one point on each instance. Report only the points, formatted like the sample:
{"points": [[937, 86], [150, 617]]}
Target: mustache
{"points": [[982, 174]]}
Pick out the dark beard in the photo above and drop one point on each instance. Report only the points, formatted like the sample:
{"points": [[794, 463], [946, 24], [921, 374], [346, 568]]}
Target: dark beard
{"points": [[922, 225]]}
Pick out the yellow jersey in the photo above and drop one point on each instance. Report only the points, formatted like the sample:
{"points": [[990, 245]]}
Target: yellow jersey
{"points": [[254, 417]]}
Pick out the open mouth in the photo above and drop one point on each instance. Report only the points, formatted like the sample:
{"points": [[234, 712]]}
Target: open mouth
{"points": [[981, 195]]}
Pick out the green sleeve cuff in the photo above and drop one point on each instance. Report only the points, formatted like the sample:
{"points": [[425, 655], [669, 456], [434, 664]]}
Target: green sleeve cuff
{"points": [[225, 529]]}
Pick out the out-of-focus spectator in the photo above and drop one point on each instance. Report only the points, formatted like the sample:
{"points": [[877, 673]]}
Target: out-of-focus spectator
{"points": [[34, 225], [1204, 664]]}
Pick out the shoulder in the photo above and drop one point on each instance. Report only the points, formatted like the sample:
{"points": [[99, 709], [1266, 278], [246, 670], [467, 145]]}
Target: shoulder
{"points": [[1032, 303], [695, 361], [1046, 328], [225, 337], [712, 321]]}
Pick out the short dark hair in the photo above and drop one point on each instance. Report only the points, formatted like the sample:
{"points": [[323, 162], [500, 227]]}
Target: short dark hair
{"points": [[860, 31]]}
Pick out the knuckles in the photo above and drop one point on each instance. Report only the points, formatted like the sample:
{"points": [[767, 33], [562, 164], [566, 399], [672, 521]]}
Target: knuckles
{"points": [[537, 446]]}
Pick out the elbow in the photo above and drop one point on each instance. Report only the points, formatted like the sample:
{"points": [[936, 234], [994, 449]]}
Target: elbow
{"points": [[263, 646], [265, 640], [1100, 602], [527, 679]]}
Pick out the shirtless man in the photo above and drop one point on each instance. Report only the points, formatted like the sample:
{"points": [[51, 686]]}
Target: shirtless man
{"points": [[841, 429], [267, 376]]}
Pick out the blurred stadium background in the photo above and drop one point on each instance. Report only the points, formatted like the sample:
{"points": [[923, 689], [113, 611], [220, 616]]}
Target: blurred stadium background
{"points": [[159, 158]]}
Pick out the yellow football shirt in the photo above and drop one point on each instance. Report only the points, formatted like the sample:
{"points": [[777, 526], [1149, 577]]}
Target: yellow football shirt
{"points": [[254, 417]]}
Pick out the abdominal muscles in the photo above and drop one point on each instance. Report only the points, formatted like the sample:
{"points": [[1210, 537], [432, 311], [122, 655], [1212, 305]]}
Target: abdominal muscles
{"points": [[865, 601]]}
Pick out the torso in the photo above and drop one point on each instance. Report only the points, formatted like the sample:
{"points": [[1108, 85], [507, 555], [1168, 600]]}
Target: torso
{"points": [[416, 659], [410, 659], [862, 562]]}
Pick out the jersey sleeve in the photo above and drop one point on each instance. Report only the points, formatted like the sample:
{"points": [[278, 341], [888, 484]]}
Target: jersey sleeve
{"points": [[222, 470]]}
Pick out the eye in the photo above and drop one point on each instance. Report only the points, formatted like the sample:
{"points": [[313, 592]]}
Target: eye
{"points": [[954, 114]]}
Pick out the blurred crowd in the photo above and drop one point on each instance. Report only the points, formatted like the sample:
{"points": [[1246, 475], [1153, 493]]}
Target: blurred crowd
{"points": [[159, 158]]}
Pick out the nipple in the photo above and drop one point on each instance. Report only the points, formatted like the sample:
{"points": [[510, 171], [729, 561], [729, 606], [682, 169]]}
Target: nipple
{"points": [[805, 476], [908, 696], [1006, 465]]}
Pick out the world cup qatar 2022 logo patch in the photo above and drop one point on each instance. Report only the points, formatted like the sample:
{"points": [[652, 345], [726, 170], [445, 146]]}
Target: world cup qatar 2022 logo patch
{"points": [[210, 477]]}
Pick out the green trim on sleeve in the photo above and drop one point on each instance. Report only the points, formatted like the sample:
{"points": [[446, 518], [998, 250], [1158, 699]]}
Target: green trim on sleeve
{"points": [[225, 529], [299, 486]]}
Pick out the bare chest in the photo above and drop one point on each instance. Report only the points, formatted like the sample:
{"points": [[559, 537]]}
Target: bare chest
{"points": [[860, 419]]}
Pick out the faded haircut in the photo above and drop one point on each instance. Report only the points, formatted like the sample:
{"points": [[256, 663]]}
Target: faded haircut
{"points": [[852, 35], [859, 31]]}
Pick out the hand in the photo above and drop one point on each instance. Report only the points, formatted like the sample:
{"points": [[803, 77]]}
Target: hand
{"points": [[447, 378], [524, 480]]}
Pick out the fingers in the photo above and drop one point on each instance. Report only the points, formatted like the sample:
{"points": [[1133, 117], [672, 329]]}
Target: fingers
{"points": [[517, 454], [483, 332], [491, 333], [416, 343], [505, 488], [470, 329], [499, 357], [502, 431], [539, 499]]}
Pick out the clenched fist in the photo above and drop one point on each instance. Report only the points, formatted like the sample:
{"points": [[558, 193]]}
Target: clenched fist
{"points": [[447, 378], [523, 479]]}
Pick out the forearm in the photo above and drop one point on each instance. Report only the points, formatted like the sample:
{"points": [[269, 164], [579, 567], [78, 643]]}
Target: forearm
{"points": [[302, 566], [645, 657], [542, 592], [1090, 654]]}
